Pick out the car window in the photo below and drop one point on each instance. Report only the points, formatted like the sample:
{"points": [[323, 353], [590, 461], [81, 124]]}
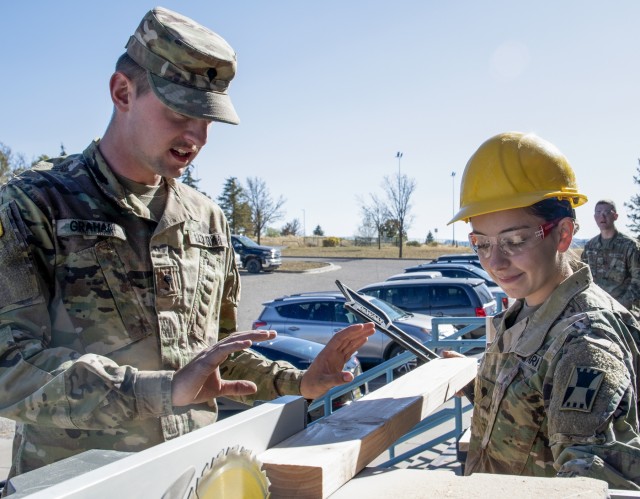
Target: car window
{"points": [[405, 297], [392, 311], [322, 312], [456, 273], [484, 293], [344, 316], [298, 311], [449, 296]]}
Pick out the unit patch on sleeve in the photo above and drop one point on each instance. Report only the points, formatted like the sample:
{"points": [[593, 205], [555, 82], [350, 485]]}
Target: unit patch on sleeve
{"points": [[582, 389]]}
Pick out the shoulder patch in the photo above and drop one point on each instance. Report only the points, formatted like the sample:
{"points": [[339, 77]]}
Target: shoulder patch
{"points": [[90, 228], [18, 281], [582, 389]]}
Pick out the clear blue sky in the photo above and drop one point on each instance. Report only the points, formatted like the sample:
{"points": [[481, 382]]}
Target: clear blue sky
{"points": [[328, 92]]}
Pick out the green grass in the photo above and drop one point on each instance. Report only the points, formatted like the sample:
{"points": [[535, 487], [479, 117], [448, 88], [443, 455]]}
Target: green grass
{"points": [[312, 247]]}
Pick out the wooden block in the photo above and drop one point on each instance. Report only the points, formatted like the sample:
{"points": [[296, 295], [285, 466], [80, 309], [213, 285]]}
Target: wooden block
{"points": [[464, 440], [315, 462], [412, 483]]}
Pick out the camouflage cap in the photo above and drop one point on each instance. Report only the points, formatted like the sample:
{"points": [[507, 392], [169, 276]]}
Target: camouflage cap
{"points": [[189, 67]]}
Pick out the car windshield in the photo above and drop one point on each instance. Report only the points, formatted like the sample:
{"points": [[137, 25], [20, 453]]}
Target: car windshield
{"points": [[246, 241], [392, 311], [303, 349]]}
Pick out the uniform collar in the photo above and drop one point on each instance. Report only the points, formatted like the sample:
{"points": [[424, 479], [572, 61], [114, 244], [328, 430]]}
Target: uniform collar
{"points": [[610, 239], [538, 325], [175, 210]]}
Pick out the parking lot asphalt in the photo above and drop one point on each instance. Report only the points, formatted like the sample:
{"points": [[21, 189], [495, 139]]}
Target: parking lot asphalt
{"points": [[355, 273], [258, 288]]}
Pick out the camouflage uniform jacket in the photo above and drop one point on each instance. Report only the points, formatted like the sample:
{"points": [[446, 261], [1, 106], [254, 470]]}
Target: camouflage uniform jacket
{"points": [[99, 305], [563, 399], [615, 266]]}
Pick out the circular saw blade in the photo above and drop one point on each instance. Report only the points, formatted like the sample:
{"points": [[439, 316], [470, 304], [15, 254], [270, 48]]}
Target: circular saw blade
{"points": [[235, 473]]}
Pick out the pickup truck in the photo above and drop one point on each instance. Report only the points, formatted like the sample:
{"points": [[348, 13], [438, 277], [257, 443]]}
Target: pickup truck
{"points": [[254, 257]]}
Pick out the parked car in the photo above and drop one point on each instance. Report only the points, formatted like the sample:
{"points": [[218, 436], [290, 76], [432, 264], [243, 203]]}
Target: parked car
{"points": [[462, 269], [255, 257], [300, 353], [471, 258], [414, 275], [454, 297], [317, 316]]}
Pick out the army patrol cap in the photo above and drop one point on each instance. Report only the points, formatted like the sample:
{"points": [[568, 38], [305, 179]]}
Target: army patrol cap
{"points": [[189, 67]]}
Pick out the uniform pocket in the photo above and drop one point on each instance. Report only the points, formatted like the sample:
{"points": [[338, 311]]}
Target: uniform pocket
{"points": [[101, 301], [508, 415]]}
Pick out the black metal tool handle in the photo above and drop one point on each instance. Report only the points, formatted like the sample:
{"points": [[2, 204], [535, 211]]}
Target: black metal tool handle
{"points": [[369, 312]]}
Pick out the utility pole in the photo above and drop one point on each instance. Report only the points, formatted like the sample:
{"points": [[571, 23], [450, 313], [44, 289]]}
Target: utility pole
{"points": [[453, 204], [304, 223], [399, 156]]}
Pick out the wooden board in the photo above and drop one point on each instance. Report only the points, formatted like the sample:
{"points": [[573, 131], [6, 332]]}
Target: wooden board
{"points": [[427, 484], [315, 462]]}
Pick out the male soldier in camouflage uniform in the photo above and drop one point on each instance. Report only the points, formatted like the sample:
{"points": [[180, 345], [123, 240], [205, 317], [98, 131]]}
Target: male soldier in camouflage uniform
{"points": [[614, 259], [118, 290]]}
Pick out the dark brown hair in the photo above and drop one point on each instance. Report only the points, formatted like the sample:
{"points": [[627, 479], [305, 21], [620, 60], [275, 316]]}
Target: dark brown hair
{"points": [[137, 74], [552, 209]]}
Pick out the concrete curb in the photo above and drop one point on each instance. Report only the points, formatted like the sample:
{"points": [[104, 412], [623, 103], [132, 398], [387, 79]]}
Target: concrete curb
{"points": [[327, 268]]}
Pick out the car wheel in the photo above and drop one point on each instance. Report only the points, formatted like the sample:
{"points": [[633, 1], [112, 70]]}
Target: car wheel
{"points": [[404, 368], [253, 266]]}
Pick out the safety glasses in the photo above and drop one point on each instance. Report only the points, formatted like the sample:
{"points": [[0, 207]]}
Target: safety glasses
{"points": [[511, 243]]}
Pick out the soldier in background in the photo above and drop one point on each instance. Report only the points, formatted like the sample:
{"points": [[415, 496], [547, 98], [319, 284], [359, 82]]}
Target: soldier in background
{"points": [[118, 288], [614, 258]]}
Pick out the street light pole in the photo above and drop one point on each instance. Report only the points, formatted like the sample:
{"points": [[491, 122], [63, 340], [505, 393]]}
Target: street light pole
{"points": [[399, 197], [304, 223], [453, 204]]}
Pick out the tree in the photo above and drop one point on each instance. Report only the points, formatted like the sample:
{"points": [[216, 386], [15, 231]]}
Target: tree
{"points": [[10, 163], [291, 228], [375, 214], [264, 209], [42, 157], [235, 205], [399, 192], [430, 239], [188, 178], [366, 232], [390, 228], [633, 206], [318, 231]]}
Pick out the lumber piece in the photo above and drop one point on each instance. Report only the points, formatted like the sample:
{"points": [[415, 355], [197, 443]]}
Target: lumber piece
{"points": [[411, 483], [316, 461]]}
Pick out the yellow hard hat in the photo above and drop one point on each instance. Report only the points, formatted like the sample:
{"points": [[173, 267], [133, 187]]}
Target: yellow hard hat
{"points": [[515, 170]]}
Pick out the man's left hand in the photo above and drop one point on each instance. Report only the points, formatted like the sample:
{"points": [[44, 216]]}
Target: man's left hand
{"points": [[326, 370]]}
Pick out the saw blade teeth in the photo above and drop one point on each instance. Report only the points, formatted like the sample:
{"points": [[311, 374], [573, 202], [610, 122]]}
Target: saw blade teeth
{"points": [[235, 472]]}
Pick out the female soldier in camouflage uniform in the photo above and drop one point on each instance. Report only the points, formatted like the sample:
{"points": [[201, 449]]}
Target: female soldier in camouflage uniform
{"points": [[556, 392]]}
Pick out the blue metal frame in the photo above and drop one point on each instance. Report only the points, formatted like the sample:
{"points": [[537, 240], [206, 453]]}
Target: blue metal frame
{"points": [[452, 342]]}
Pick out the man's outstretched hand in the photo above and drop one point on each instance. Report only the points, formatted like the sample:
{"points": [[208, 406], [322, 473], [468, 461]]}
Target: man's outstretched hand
{"points": [[199, 381], [326, 370]]}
